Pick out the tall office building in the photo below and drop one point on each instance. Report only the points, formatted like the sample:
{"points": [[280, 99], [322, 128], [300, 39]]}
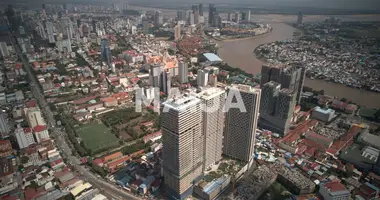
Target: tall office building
{"points": [[213, 124], [105, 51], [211, 12], [4, 49], [165, 82], [201, 10], [269, 95], [177, 32], [246, 15], [158, 18], [229, 18], [145, 26], [217, 21], [155, 75], [183, 72], [299, 18], [285, 104], [237, 17], [68, 30], [183, 145], [239, 135], [282, 86], [202, 78], [292, 77], [50, 31], [126, 6], [181, 15], [191, 18], [195, 10]]}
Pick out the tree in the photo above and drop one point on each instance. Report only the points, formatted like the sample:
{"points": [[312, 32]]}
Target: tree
{"points": [[24, 159]]}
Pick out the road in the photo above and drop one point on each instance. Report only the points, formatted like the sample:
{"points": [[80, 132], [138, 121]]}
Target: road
{"points": [[106, 188]]}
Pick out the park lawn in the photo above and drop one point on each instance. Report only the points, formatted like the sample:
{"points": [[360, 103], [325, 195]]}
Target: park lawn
{"points": [[96, 137]]}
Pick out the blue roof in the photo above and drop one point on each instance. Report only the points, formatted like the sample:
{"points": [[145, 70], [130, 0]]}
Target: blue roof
{"points": [[212, 57]]}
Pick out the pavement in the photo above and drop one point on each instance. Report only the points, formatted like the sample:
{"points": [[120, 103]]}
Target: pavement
{"points": [[107, 189]]}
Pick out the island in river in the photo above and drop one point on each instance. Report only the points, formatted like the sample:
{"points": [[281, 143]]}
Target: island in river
{"points": [[239, 53]]}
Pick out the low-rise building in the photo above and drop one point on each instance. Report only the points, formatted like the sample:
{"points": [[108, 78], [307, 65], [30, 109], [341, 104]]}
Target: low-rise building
{"points": [[324, 115], [327, 142], [109, 101], [24, 137], [41, 132], [334, 190]]}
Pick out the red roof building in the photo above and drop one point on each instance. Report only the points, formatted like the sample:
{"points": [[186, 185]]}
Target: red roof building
{"points": [[98, 162], [153, 136], [39, 128], [334, 190]]}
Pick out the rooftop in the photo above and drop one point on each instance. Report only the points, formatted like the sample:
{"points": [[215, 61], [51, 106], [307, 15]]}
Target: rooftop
{"points": [[212, 57], [334, 186], [245, 88], [210, 93], [181, 103], [324, 111]]}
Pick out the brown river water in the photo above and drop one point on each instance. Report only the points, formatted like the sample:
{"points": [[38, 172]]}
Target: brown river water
{"points": [[239, 53]]}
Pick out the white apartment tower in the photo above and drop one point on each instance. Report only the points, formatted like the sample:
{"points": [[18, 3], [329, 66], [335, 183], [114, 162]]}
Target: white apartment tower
{"points": [[202, 78], [239, 135], [183, 145], [183, 72], [213, 123]]}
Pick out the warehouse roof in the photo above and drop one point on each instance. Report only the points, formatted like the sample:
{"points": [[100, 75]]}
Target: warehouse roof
{"points": [[212, 57]]}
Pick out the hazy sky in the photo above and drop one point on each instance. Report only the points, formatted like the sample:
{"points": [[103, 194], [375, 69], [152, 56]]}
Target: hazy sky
{"points": [[337, 4], [342, 4]]}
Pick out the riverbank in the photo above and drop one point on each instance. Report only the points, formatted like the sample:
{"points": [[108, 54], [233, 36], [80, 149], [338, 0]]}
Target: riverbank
{"points": [[243, 38], [239, 54]]}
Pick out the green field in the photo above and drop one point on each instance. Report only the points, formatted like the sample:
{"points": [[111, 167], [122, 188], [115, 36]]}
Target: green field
{"points": [[96, 137]]}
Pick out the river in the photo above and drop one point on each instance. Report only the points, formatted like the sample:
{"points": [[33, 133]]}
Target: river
{"points": [[239, 53]]}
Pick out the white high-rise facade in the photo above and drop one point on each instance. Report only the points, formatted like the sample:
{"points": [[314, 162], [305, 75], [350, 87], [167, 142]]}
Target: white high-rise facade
{"points": [[183, 72], [213, 123], [183, 145], [202, 78], [50, 31]]}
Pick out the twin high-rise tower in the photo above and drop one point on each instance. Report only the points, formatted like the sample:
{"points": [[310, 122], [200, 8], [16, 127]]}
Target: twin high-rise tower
{"points": [[281, 91], [193, 138]]}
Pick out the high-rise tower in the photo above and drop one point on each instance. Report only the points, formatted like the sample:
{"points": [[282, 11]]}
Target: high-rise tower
{"points": [[213, 123], [105, 51], [211, 12], [183, 145], [240, 130]]}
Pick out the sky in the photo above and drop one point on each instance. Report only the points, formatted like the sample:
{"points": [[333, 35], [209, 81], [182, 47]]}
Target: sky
{"points": [[337, 4]]}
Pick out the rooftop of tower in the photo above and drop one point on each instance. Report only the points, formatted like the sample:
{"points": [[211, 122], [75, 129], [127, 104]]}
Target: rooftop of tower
{"points": [[209, 93], [245, 88], [272, 84], [182, 102]]}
